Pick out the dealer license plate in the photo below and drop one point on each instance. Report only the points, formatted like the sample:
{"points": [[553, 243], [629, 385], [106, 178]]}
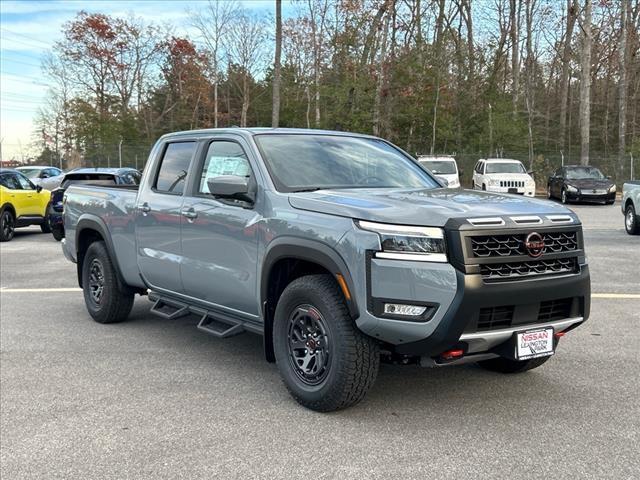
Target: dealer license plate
{"points": [[534, 343]]}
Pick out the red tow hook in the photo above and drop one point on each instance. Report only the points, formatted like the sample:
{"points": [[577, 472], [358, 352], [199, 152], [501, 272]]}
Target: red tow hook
{"points": [[559, 334], [452, 354]]}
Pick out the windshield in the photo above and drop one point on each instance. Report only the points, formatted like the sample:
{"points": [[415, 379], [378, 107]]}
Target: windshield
{"points": [[584, 172], [312, 162], [440, 167], [30, 172], [505, 167]]}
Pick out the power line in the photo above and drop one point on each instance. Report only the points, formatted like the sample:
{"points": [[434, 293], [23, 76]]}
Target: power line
{"points": [[28, 37]]}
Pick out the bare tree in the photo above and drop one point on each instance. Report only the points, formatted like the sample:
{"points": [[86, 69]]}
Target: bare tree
{"points": [[572, 12], [622, 86], [514, 15], [585, 85], [246, 51], [318, 15], [214, 23], [275, 111]]}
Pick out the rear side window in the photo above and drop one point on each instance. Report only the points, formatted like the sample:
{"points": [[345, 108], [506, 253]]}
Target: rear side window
{"points": [[174, 167]]}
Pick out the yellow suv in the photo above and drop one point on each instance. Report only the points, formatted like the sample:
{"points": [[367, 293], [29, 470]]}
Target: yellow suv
{"points": [[21, 204]]}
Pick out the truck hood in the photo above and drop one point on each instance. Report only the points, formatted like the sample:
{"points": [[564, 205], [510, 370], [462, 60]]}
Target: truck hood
{"points": [[523, 177], [428, 207]]}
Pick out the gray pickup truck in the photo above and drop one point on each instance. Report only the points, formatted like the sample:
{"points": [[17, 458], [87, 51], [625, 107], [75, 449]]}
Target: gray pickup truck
{"points": [[631, 206], [339, 249]]}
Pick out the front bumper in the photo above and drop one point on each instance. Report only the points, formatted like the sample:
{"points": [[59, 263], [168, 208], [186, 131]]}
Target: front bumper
{"points": [[526, 296], [526, 191], [582, 196]]}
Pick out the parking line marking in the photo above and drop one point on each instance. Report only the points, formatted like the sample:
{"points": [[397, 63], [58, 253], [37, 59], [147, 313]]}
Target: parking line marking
{"points": [[615, 295], [40, 290]]}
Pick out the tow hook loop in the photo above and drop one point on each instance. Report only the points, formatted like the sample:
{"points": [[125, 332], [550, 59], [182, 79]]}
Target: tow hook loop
{"points": [[452, 354], [558, 334]]}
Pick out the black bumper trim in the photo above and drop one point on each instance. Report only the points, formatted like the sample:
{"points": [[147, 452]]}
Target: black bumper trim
{"points": [[472, 294]]}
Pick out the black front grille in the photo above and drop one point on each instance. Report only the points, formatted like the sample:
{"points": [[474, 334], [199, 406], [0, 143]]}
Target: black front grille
{"points": [[495, 317], [555, 309], [517, 270], [484, 246]]}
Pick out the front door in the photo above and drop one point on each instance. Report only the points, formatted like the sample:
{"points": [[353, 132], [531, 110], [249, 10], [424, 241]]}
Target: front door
{"points": [[219, 237], [159, 217]]}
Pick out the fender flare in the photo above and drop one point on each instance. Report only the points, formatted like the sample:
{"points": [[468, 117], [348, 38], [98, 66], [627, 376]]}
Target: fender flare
{"points": [[311, 251], [95, 223], [301, 249]]}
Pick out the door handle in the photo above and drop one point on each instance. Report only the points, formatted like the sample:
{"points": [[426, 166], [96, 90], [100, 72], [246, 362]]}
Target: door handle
{"points": [[144, 208], [190, 214]]}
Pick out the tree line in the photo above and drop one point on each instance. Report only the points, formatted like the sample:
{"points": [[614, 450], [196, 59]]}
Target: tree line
{"points": [[538, 80]]}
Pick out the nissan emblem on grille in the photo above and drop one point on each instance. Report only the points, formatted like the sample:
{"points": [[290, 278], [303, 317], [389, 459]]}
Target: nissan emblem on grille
{"points": [[534, 244]]}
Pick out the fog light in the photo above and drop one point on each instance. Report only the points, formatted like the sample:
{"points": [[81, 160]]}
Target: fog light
{"points": [[407, 310]]}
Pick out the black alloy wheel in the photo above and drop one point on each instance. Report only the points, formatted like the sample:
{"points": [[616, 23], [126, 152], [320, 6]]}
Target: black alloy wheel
{"points": [[309, 345], [7, 226], [96, 281]]}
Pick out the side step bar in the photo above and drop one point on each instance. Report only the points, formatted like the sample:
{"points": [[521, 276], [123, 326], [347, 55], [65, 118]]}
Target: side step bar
{"points": [[218, 324]]}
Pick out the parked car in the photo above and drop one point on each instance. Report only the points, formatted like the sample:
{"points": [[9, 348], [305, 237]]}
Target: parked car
{"points": [[339, 249], [503, 175], [444, 167], [21, 204], [41, 175], [579, 183], [631, 206], [93, 176]]}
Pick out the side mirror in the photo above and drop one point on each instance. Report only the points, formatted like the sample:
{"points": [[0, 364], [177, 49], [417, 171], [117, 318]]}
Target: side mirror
{"points": [[442, 180], [530, 172], [608, 177], [38, 188], [232, 187]]}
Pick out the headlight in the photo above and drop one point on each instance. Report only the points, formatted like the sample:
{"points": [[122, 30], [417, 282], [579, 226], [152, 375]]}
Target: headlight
{"points": [[494, 182], [612, 188], [571, 188], [400, 242], [531, 182]]}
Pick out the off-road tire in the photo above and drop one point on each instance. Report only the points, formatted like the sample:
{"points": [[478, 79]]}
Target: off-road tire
{"points": [[504, 365], [7, 225], [114, 305], [354, 357], [631, 221]]}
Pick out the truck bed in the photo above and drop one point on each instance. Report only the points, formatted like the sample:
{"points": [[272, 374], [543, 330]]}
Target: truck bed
{"points": [[115, 208]]}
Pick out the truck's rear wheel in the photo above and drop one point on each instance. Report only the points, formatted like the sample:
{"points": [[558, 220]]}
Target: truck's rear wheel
{"points": [[504, 365], [105, 301], [324, 360]]}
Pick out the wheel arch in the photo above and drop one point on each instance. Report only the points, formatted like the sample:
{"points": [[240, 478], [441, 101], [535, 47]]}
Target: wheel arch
{"points": [[288, 258], [90, 229], [8, 206]]}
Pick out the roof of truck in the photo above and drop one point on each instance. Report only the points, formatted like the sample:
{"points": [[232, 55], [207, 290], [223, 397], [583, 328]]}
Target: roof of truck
{"points": [[110, 170], [250, 131]]}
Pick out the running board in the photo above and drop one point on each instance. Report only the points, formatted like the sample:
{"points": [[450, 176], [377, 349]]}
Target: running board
{"points": [[169, 311], [218, 328], [218, 324]]}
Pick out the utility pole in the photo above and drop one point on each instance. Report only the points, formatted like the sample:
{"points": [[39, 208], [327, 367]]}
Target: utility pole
{"points": [[120, 153]]}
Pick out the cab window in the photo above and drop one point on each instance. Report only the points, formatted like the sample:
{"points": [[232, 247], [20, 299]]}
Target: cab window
{"points": [[173, 170], [223, 158]]}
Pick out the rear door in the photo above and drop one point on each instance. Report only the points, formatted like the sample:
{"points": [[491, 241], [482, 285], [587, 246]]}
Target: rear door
{"points": [[158, 220], [220, 237]]}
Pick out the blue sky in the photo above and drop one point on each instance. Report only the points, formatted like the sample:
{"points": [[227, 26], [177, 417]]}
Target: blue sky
{"points": [[28, 29]]}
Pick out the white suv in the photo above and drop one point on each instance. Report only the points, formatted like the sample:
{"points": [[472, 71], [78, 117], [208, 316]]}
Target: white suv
{"points": [[503, 175], [443, 167]]}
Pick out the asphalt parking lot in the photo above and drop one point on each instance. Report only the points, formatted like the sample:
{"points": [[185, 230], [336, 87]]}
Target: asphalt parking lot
{"points": [[153, 398]]}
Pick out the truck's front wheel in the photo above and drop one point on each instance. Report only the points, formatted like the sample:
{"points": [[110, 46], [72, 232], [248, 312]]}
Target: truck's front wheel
{"points": [[504, 365], [105, 301], [324, 360]]}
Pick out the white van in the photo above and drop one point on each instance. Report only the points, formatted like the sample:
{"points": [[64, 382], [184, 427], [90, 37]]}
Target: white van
{"points": [[444, 167]]}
